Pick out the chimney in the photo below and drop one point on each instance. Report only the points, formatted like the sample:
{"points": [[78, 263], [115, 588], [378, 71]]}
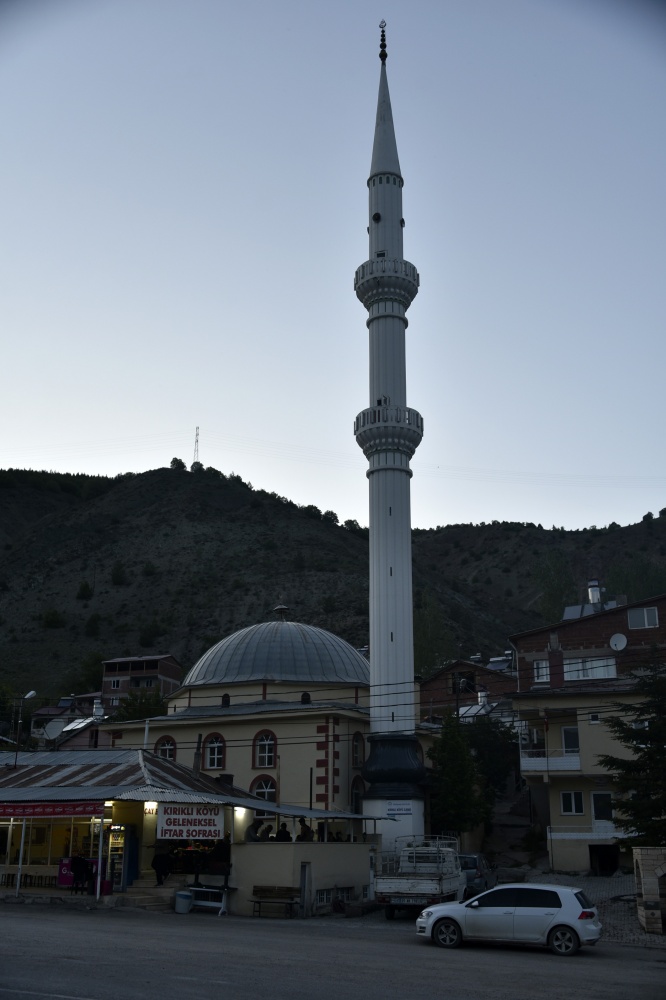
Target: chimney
{"points": [[196, 766], [593, 592], [483, 698]]}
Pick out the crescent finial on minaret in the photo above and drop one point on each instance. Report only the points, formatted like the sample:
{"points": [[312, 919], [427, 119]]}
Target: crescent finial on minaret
{"points": [[382, 43]]}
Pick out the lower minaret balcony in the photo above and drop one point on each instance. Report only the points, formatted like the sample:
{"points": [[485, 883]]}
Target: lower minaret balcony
{"points": [[389, 428], [386, 278]]}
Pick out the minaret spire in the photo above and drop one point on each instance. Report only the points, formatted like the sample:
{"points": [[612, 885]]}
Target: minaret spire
{"points": [[389, 432]]}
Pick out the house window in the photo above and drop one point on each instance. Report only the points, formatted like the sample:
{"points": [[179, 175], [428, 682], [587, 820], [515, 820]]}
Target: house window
{"points": [[594, 718], [595, 668], [570, 742], [602, 806], [115, 683], [264, 788], [149, 681], [264, 750], [214, 751], [541, 671], [356, 795], [571, 803], [358, 750], [166, 748], [115, 702], [643, 617], [324, 896]]}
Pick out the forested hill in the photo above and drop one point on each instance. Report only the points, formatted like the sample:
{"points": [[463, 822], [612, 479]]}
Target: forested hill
{"points": [[171, 561]]}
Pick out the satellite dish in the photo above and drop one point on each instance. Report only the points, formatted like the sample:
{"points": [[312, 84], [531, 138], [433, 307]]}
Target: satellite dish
{"points": [[53, 729], [618, 641]]}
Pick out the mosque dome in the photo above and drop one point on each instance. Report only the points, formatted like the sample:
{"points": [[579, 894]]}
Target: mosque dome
{"points": [[280, 651]]}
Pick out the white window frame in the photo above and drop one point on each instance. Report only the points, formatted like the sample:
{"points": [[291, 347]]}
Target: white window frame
{"points": [[264, 751], [641, 617], [541, 670], [570, 750], [590, 668], [115, 683], [574, 799], [215, 753]]}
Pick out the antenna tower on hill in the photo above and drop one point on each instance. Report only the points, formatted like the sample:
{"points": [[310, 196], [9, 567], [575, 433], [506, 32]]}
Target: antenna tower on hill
{"points": [[196, 446]]}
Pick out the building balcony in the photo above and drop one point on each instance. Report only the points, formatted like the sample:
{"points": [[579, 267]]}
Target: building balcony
{"points": [[598, 830], [540, 761]]}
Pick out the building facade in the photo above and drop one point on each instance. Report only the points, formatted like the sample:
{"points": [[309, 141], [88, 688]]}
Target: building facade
{"points": [[571, 676]]}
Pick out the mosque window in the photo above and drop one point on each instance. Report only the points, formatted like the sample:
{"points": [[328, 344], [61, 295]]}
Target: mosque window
{"points": [[356, 795], [265, 788], [358, 750], [381, 180], [214, 751], [226, 700], [264, 749], [381, 253], [166, 748]]}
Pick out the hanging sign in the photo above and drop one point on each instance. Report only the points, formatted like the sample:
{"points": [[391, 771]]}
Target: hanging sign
{"points": [[19, 809], [189, 821]]}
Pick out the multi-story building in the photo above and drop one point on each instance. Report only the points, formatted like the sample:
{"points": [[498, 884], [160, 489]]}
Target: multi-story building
{"points": [[161, 673], [571, 676]]}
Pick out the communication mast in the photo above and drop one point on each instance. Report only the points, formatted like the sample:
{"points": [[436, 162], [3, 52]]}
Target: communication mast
{"points": [[196, 446]]}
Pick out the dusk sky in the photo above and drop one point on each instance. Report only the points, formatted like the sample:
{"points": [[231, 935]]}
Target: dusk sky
{"points": [[183, 205]]}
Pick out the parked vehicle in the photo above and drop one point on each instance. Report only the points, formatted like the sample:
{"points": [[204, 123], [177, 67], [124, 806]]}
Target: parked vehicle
{"points": [[557, 916], [419, 871], [481, 875]]}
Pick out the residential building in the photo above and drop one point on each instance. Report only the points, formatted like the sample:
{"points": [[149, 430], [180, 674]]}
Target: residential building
{"points": [[570, 677], [159, 673]]}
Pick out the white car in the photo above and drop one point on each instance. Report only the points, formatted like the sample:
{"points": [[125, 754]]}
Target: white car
{"points": [[557, 916]]}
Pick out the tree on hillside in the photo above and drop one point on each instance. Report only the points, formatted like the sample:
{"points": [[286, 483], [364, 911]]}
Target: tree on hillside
{"points": [[456, 804], [177, 463], [433, 643], [641, 778], [142, 704]]}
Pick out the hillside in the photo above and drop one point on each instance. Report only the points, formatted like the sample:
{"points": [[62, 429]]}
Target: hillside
{"points": [[170, 560]]}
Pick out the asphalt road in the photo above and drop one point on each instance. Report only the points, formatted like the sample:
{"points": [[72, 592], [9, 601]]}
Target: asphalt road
{"points": [[63, 954]]}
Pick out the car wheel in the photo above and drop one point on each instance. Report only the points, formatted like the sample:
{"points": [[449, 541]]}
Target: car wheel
{"points": [[563, 941], [389, 912], [447, 934]]}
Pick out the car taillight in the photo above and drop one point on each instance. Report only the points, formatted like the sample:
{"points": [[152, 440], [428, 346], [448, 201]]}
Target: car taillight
{"points": [[586, 915]]}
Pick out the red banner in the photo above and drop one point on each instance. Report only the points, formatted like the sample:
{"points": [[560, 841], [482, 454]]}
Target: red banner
{"points": [[21, 809]]}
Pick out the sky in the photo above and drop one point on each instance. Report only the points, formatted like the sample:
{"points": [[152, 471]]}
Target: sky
{"points": [[183, 205]]}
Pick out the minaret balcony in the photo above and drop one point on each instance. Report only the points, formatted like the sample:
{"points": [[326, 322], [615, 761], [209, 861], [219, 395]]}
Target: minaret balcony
{"points": [[389, 428], [386, 278]]}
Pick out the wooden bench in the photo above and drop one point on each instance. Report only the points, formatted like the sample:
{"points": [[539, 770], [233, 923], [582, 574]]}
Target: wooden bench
{"points": [[280, 895]]}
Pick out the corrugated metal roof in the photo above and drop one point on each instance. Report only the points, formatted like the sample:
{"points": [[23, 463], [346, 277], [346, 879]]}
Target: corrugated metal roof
{"points": [[126, 775]]}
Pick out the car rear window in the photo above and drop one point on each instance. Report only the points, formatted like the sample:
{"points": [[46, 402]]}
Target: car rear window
{"points": [[467, 863], [584, 900]]}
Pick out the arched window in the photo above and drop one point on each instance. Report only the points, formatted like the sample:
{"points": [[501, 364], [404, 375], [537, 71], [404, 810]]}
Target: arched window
{"points": [[265, 788], [166, 747], [358, 750], [214, 751], [264, 750], [356, 795], [226, 700]]}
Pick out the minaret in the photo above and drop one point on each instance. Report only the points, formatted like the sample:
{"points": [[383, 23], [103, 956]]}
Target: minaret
{"points": [[389, 432]]}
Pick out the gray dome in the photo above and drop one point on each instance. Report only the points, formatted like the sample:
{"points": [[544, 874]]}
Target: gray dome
{"points": [[280, 651]]}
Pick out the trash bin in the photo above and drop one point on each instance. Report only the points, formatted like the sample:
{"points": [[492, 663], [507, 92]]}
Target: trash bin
{"points": [[183, 902]]}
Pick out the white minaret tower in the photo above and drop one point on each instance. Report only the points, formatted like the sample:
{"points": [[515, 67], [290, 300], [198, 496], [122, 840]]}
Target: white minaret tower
{"points": [[389, 432]]}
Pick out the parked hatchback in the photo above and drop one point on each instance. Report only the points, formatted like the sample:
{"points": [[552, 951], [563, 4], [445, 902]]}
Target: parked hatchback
{"points": [[559, 917], [481, 875]]}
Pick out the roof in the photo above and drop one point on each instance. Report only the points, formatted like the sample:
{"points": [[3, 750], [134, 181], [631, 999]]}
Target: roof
{"points": [[243, 709], [384, 149], [555, 626], [280, 651], [126, 775]]}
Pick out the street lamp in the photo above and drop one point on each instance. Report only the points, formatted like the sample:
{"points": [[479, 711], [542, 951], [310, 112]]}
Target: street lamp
{"points": [[19, 726]]}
